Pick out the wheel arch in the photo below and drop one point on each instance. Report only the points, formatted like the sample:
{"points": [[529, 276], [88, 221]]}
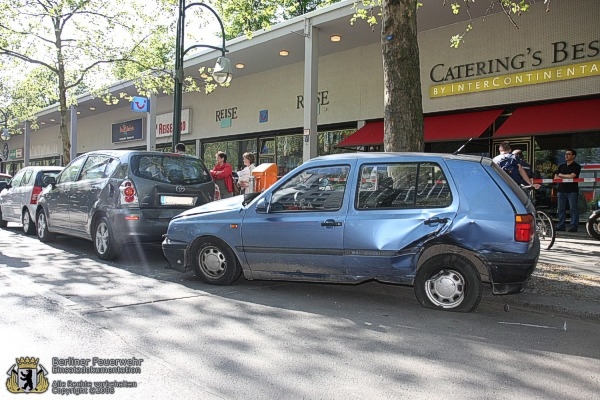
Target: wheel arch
{"points": [[198, 241], [444, 248]]}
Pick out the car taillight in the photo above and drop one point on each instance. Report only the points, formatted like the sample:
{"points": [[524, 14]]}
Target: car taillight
{"points": [[524, 228], [217, 193], [35, 194], [127, 193]]}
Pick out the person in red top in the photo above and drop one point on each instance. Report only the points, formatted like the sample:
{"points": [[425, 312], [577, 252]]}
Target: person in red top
{"points": [[222, 173]]}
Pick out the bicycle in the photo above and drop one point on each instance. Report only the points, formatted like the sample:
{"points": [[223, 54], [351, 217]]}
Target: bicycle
{"points": [[544, 226]]}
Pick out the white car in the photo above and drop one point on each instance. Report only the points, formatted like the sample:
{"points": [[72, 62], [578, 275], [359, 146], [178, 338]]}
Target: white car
{"points": [[18, 200]]}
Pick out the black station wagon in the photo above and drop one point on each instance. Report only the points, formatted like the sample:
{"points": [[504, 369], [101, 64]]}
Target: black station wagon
{"points": [[113, 197]]}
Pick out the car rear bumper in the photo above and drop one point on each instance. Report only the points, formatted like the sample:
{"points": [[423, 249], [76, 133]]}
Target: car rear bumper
{"points": [[132, 226], [510, 272], [174, 252]]}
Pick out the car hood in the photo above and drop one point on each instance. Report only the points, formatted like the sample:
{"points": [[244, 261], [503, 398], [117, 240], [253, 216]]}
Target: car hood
{"points": [[231, 203]]}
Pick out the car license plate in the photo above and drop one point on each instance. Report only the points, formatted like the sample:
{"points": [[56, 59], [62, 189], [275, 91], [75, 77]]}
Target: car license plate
{"points": [[177, 201]]}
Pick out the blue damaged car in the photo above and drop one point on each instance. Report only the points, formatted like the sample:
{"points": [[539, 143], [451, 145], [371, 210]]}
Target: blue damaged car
{"points": [[445, 224]]}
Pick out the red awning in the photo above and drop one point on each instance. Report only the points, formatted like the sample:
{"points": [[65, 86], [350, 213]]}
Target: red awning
{"points": [[572, 116], [437, 128], [459, 126], [369, 135]]}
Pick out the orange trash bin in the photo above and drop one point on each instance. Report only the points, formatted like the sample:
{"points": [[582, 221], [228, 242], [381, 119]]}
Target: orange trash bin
{"points": [[264, 175]]}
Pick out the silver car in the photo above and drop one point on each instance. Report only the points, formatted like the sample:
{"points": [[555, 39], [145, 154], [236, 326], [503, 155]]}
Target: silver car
{"points": [[18, 200]]}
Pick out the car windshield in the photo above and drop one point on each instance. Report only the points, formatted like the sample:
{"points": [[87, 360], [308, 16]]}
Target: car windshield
{"points": [[172, 169]]}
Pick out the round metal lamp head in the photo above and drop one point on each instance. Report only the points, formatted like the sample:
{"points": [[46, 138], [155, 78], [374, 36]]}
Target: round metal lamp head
{"points": [[222, 72], [5, 134]]}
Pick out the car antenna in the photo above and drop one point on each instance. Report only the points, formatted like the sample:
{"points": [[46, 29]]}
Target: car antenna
{"points": [[462, 147]]}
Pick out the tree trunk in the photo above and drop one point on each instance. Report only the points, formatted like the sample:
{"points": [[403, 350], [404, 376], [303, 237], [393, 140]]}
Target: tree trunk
{"points": [[62, 95], [403, 107]]}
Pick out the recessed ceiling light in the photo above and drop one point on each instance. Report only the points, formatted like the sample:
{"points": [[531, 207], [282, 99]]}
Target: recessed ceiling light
{"points": [[284, 53], [93, 108], [52, 120], [239, 66], [42, 123], [78, 112], [335, 38]]}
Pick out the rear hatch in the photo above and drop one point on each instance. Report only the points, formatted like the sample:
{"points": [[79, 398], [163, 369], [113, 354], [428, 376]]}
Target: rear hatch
{"points": [[168, 183]]}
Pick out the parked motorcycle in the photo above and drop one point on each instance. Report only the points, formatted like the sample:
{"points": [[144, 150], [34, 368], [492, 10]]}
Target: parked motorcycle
{"points": [[593, 224]]}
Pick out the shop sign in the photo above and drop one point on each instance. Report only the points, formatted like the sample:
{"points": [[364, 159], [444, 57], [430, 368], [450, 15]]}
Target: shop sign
{"points": [[128, 131], [164, 124], [517, 69], [322, 99]]}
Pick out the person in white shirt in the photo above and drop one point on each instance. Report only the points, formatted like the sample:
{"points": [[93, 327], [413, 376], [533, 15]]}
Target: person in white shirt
{"points": [[244, 174]]}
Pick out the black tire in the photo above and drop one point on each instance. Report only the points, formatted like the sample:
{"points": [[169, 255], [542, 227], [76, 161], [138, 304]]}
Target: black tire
{"points": [[42, 228], [215, 263], [3, 224], [105, 244], [28, 224], [593, 226], [545, 230], [448, 282]]}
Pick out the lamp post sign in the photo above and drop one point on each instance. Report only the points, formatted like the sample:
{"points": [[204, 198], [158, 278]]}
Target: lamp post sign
{"points": [[222, 73]]}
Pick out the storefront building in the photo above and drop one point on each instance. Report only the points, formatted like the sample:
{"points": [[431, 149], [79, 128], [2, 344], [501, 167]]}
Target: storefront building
{"points": [[537, 87]]}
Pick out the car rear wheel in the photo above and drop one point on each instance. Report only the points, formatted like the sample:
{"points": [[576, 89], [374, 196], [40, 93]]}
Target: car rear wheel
{"points": [[593, 226], [3, 224], [42, 228], [215, 263], [448, 282], [105, 244], [28, 225]]}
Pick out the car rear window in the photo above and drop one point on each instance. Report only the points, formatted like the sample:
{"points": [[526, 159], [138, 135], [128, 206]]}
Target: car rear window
{"points": [[174, 169], [402, 185]]}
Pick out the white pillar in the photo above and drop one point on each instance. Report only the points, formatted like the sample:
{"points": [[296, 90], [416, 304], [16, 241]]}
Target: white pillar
{"points": [[311, 72], [26, 143], [151, 124]]}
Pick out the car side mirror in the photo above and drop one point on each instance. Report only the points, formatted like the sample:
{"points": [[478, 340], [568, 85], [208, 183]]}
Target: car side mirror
{"points": [[262, 206], [49, 180]]}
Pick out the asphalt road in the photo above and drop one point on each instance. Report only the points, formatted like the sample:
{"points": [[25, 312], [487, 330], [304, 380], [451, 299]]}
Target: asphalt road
{"points": [[265, 340]]}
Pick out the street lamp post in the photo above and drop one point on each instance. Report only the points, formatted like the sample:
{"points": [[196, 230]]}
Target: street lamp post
{"points": [[5, 135], [221, 73]]}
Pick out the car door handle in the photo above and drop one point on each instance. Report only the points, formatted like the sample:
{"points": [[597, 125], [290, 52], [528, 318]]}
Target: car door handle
{"points": [[436, 220], [330, 222]]}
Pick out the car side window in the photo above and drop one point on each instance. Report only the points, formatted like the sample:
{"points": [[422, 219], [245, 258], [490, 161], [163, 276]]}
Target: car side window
{"points": [[315, 189], [16, 180], [27, 181], [96, 167], [71, 171], [402, 185]]}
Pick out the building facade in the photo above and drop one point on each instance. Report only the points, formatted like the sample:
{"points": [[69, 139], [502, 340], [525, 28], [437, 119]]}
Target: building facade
{"points": [[537, 86]]}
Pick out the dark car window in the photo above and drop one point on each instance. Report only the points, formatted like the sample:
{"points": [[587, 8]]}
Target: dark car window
{"points": [[315, 189], [172, 169], [402, 185], [71, 171], [40, 178]]}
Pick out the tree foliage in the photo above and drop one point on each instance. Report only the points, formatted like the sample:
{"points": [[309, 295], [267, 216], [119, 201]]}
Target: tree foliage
{"points": [[74, 41]]}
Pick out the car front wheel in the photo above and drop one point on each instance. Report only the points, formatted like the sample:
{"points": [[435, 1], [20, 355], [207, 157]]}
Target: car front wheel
{"points": [[593, 227], [105, 244], [42, 228], [448, 282], [215, 263], [28, 225]]}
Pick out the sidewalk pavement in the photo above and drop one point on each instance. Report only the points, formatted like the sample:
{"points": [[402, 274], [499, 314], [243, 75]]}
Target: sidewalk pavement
{"points": [[567, 278]]}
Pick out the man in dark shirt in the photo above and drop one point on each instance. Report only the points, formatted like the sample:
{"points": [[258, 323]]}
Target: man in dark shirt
{"points": [[568, 191]]}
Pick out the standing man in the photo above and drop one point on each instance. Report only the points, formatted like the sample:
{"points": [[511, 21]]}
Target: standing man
{"points": [[180, 148], [519, 156], [509, 163], [568, 191]]}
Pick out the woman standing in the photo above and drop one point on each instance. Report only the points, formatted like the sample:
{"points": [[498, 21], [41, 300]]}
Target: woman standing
{"points": [[222, 173], [245, 174]]}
